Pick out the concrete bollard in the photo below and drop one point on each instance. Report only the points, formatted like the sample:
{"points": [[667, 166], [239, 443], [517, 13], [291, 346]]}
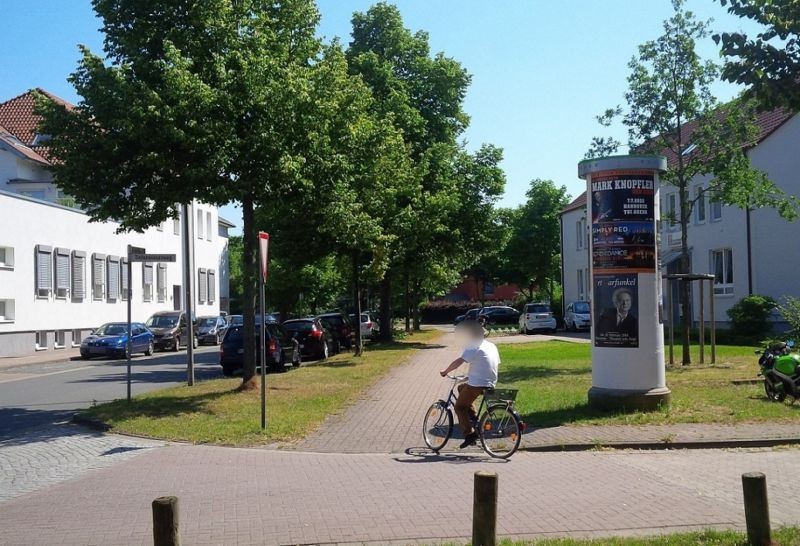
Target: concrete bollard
{"points": [[756, 509], [166, 523], [484, 510]]}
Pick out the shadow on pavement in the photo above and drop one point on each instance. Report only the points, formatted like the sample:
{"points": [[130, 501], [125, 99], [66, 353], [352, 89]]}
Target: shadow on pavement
{"points": [[425, 455], [138, 375], [40, 425]]}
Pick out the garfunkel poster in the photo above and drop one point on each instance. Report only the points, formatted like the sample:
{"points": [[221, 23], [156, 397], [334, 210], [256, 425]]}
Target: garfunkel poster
{"points": [[616, 309]]}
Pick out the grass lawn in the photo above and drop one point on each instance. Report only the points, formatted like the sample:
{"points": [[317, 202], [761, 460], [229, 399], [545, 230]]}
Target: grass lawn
{"points": [[554, 377], [297, 401], [787, 536]]}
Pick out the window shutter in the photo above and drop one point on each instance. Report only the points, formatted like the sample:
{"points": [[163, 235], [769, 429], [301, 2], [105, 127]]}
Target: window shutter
{"points": [[98, 278], [62, 271], [78, 275], [148, 274], [113, 277], [161, 280], [44, 270], [212, 286], [123, 273], [202, 285]]}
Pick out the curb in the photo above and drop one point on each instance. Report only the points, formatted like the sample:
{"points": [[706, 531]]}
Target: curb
{"points": [[661, 446]]}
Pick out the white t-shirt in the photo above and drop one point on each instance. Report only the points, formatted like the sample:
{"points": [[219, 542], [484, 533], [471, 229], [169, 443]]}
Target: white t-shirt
{"points": [[483, 362]]}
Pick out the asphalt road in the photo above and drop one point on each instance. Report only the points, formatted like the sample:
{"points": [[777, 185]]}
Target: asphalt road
{"points": [[45, 394]]}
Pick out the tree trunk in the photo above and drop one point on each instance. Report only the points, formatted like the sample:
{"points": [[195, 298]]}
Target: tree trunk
{"points": [[250, 280], [359, 348], [386, 332], [415, 306], [407, 304], [686, 319]]}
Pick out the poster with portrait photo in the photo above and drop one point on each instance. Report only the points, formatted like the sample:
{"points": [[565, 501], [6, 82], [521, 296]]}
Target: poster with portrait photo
{"points": [[616, 311], [623, 198]]}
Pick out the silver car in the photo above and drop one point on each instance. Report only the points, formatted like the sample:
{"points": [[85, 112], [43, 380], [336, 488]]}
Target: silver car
{"points": [[537, 317], [211, 330], [578, 316]]}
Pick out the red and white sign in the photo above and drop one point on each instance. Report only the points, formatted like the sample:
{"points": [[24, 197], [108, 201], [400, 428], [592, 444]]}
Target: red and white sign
{"points": [[263, 253]]}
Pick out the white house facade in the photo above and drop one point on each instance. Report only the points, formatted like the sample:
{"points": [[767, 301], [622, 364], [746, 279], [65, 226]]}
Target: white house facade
{"points": [[61, 275], [748, 252]]}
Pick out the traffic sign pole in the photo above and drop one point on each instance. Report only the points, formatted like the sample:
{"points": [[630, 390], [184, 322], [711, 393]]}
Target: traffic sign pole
{"points": [[129, 344], [188, 268], [263, 253]]}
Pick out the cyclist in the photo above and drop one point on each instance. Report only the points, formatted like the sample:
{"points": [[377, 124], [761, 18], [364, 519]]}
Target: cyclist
{"points": [[483, 359]]}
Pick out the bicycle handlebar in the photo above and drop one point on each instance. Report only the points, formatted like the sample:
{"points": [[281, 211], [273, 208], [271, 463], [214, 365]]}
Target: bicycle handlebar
{"points": [[457, 377]]}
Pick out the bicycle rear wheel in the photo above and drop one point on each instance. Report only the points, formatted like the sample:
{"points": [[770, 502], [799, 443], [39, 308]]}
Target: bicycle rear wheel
{"points": [[500, 431], [437, 426]]}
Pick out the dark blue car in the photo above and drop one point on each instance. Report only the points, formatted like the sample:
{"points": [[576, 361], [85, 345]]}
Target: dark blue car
{"points": [[111, 339]]}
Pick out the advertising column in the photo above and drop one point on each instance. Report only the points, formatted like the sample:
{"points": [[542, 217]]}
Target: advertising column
{"points": [[627, 334]]}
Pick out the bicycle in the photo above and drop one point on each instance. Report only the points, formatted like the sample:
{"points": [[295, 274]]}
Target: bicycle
{"points": [[499, 427]]}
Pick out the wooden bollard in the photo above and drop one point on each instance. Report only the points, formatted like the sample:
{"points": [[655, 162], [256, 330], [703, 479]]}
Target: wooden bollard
{"points": [[484, 510], [166, 522], [756, 509]]}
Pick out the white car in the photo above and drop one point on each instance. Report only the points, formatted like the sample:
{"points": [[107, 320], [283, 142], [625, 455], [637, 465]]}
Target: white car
{"points": [[537, 316], [578, 316], [369, 326]]}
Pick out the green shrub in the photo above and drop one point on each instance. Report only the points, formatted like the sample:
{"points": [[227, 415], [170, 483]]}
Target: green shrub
{"points": [[750, 317], [790, 311]]}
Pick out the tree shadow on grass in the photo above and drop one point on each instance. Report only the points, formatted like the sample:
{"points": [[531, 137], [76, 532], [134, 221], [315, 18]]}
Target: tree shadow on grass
{"points": [[526, 372]]}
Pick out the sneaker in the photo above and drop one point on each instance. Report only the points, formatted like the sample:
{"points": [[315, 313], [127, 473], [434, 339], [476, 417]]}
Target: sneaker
{"points": [[469, 440]]}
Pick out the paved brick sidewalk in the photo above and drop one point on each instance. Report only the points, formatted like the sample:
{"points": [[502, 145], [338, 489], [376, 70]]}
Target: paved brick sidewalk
{"points": [[252, 496], [42, 457], [389, 418]]}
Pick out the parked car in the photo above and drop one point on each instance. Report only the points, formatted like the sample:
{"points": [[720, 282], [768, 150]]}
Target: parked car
{"points": [[211, 330], [169, 330], [537, 317], [369, 325], [111, 340], [235, 320], [472, 314], [499, 314], [315, 340], [578, 316], [282, 351], [341, 328]]}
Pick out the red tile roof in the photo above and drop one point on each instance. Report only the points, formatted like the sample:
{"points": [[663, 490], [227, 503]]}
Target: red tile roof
{"points": [[577, 203], [18, 123]]}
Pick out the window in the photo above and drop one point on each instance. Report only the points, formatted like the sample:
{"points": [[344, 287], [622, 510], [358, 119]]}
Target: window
{"points": [[161, 282], [61, 339], [672, 210], [78, 275], [6, 257], [77, 337], [123, 274], [6, 310], [212, 286], [176, 222], [147, 282], [113, 278], [98, 276], [199, 226], [581, 284], [209, 225], [722, 269], [700, 206], [62, 272], [34, 194], [44, 271], [716, 211], [202, 285], [41, 340], [579, 234]]}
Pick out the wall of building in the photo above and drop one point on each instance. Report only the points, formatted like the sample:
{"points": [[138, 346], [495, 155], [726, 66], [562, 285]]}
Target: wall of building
{"points": [[26, 223], [575, 256]]}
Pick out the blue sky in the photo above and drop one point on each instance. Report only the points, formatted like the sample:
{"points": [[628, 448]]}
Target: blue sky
{"points": [[541, 70]]}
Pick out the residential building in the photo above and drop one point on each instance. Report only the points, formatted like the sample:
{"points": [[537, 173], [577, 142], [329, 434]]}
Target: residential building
{"points": [[62, 275], [748, 252], [474, 289]]}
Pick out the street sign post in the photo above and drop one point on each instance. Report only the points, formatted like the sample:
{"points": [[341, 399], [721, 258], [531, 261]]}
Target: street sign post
{"points": [[132, 250], [263, 254]]}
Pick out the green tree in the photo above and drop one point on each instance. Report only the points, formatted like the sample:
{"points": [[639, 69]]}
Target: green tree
{"points": [[213, 100], [672, 111], [532, 256], [769, 63]]}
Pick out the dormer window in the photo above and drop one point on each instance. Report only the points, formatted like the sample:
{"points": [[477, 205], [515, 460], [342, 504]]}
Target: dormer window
{"points": [[39, 140], [689, 149]]}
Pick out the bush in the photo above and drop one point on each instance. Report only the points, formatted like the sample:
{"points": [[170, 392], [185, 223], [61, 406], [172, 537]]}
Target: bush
{"points": [[790, 311], [750, 317], [443, 312]]}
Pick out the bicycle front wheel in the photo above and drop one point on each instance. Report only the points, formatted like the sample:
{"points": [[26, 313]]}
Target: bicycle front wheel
{"points": [[437, 426], [500, 431]]}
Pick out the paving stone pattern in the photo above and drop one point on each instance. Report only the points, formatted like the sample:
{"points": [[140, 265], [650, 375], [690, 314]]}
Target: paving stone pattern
{"points": [[42, 457], [251, 496]]}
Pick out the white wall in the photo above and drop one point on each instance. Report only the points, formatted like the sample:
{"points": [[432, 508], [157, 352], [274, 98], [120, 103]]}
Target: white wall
{"points": [[25, 223], [575, 258]]}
